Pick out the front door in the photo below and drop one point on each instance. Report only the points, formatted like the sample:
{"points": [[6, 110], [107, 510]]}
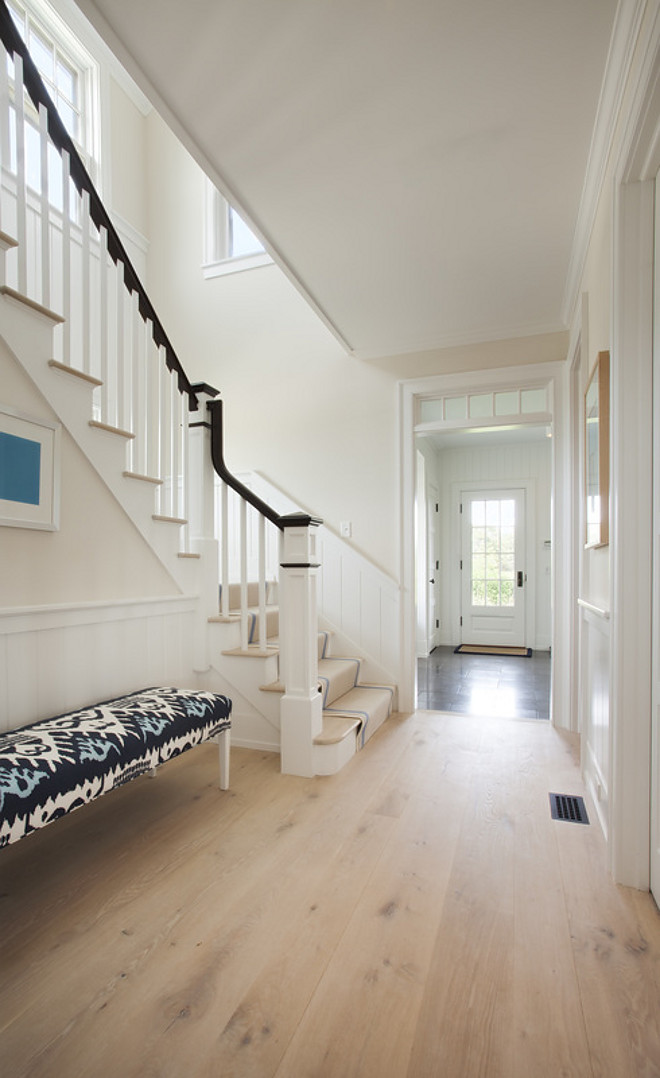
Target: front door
{"points": [[493, 582]]}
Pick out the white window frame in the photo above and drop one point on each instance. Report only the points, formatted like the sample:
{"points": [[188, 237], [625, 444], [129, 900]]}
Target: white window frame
{"points": [[53, 29], [218, 259]]}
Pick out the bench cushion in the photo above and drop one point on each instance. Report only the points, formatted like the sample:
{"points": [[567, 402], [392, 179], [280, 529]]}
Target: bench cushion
{"points": [[56, 765]]}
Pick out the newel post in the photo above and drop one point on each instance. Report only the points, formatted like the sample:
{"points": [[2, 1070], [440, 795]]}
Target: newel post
{"points": [[301, 710], [201, 508]]}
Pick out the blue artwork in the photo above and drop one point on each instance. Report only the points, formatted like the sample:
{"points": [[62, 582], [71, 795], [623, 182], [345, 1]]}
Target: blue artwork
{"points": [[20, 468]]}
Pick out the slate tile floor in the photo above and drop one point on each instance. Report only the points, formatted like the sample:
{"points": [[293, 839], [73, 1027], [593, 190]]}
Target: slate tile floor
{"points": [[485, 684]]}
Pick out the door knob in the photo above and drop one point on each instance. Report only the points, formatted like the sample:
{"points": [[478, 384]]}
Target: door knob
{"points": [[520, 578], [431, 581]]}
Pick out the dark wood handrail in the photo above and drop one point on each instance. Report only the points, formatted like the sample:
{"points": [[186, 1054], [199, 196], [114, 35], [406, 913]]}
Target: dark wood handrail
{"points": [[61, 139], [289, 520]]}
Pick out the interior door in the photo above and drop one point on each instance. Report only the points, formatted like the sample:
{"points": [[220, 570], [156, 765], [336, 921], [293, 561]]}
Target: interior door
{"points": [[655, 642], [493, 575]]}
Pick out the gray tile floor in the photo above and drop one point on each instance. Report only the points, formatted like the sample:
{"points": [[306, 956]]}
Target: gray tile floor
{"points": [[485, 684]]}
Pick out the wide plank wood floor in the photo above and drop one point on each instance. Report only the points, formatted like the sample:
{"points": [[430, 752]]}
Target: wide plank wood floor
{"points": [[419, 914]]}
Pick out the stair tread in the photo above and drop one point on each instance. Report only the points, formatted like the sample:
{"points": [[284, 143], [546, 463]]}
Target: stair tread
{"points": [[337, 676], [336, 728]]}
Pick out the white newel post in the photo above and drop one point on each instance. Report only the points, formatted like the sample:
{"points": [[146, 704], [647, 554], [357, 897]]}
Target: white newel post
{"points": [[202, 527], [301, 710]]}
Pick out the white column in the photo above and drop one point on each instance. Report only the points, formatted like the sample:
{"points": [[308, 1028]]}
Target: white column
{"points": [[301, 717], [202, 523]]}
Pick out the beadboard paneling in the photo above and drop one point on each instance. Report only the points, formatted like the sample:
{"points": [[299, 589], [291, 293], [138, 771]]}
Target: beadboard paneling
{"points": [[54, 659]]}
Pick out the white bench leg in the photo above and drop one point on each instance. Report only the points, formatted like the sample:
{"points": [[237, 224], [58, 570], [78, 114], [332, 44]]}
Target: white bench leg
{"points": [[223, 739]]}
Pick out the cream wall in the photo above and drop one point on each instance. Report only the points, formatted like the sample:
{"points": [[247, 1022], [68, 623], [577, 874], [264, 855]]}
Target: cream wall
{"points": [[317, 422], [124, 147], [97, 554]]}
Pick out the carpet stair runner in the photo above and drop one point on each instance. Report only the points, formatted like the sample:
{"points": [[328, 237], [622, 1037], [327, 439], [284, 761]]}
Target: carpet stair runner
{"points": [[351, 706]]}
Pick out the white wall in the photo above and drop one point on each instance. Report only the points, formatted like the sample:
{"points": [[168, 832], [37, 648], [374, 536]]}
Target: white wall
{"points": [[97, 554], [317, 422], [528, 462]]}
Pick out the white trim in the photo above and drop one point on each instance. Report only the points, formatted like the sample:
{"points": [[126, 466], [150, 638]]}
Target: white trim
{"points": [[599, 611], [392, 347], [25, 619], [469, 486], [630, 514], [625, 33], [236, 265], [128, 232], [74, 19]]}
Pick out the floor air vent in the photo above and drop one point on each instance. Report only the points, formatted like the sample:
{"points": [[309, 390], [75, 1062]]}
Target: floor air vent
{"points": [[568, 807]]}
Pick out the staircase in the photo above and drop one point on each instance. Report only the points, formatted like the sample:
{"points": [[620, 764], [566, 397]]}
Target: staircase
{"points": [[155, 439], [352, 708]]}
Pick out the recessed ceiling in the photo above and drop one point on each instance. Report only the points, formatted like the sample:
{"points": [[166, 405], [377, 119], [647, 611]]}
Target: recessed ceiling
{"points": [[482, 437], [416, 166]]}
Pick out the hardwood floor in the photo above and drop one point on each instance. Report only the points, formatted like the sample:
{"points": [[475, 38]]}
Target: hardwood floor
{"points": [[419, 914]]}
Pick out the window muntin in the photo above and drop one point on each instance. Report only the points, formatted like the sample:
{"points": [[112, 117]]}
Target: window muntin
{"points": [[71, 79], [493, 533]]}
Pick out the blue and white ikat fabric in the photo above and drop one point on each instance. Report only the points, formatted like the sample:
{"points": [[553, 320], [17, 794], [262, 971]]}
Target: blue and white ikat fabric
{"points": [[56, 765]]}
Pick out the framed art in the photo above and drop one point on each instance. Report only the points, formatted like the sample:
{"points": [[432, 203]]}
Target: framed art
{"points": [[597, 453], [29, 471]]}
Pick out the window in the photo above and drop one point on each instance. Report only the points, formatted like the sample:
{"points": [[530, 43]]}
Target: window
{"points": [[71, 78], [230, 245], [493, 550]]}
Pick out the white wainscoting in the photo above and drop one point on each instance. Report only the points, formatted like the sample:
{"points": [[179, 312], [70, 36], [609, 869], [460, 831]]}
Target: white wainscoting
{"points": [[595, 705], [360, 604], [57, 658]]}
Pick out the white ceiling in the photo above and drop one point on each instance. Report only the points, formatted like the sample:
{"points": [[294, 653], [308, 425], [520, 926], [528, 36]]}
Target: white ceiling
{"points": [[415, 165]]}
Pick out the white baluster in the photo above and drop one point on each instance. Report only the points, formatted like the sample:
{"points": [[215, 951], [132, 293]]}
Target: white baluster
{"points": [[224, 552], [243, 543], [45, 207], [185, 468], [150, 392], [120, 391], [134, 384], [164, 433], [102, 392], [175, 412], [263, 633], [5, 157], [66, 256], [86, 284], [21, 183]]}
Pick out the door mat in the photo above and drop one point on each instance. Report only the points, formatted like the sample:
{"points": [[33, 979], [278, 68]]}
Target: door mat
{"points": [[487, 649]]}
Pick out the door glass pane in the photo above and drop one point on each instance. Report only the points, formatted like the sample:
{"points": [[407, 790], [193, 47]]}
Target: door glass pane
{"points": [[492, 543]]}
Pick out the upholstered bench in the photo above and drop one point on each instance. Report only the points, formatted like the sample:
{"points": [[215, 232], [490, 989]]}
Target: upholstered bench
{"points": [[56, 765]]}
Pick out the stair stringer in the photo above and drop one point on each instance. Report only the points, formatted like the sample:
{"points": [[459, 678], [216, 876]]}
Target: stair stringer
{"points": [[257, 725], [249, 727], [28, 332]]}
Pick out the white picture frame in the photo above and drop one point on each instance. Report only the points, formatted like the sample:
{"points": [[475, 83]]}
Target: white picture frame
{"points": [[29, 471]]}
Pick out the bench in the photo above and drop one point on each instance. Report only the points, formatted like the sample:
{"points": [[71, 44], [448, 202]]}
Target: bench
{"points": [[54, 766]]}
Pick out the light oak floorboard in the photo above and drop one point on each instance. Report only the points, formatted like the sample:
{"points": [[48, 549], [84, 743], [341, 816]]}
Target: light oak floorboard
{"points": [[419, 914]]}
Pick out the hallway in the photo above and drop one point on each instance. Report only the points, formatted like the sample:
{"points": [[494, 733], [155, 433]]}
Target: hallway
{"points": [[418, 914], [485, 684]]}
